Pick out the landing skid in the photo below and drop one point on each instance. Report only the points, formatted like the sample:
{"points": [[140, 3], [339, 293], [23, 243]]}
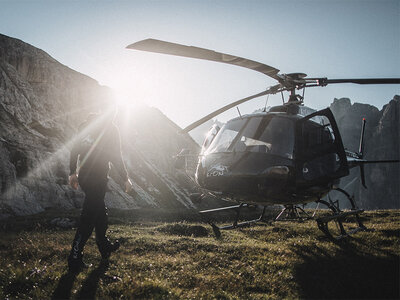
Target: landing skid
{"points": [[296, 213], [235, 224], [339, 218]]}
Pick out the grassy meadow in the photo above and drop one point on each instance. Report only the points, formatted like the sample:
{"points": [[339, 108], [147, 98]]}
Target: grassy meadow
{"points": [[184, 260]]}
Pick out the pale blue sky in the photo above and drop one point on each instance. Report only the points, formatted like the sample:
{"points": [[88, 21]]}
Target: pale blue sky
{"points": [[336, 39]]}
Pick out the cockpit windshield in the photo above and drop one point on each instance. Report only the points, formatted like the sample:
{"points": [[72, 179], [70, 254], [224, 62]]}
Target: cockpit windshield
{"points": [[264, 134]]}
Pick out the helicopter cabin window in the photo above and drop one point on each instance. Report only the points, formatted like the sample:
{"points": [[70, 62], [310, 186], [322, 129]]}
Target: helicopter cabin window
{"points": [[317, 136], [262, 134], [318, 150]]}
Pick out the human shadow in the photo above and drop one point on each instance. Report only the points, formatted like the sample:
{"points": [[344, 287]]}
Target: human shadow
{"points": [[348, 273], [64, 287], [90, 285]]}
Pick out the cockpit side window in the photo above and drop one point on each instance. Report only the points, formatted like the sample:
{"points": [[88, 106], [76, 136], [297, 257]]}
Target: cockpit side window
{"points": [[279, 134], [226, 136], [264, 134]]}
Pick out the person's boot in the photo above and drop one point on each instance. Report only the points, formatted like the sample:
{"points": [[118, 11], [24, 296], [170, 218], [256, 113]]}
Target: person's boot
{"points": [[75, 258], [76, 264], [106, 247], [103, 243]]}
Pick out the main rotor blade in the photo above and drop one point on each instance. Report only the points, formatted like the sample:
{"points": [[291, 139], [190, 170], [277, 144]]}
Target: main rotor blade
{"points": [[325, 81], [152, 45], [271, 90]]}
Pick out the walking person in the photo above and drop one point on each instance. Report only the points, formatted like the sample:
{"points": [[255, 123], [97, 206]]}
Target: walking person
{"points": [[96, 146]]}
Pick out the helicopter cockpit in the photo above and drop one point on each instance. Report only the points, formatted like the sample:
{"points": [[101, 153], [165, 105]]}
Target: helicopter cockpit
{"points": [[270, 134]]}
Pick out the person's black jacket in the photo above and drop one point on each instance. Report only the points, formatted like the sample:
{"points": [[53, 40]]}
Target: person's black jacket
{"points": [[97, 144]]}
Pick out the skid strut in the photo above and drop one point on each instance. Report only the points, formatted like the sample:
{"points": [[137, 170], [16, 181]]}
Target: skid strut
{"points": [[235, 223], [339, 217], [292, 212]]}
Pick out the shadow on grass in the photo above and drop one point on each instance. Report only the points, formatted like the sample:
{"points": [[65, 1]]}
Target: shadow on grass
{"points": [[64, 286], [346, 274], [89, 286]]}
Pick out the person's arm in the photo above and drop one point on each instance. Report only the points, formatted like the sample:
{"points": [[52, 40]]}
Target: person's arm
{"points": [[118, 162], [73, 160]]}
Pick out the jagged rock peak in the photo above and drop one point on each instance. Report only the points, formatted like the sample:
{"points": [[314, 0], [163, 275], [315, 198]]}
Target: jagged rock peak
{"points": [[344, 102], [343, 105], [390, 113]]}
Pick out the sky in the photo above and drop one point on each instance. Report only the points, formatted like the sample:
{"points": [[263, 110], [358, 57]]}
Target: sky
{"points": [[334, 39]]}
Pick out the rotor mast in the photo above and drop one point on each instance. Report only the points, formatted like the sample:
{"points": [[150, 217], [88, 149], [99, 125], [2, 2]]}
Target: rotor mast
{"points": [[295, 98]]}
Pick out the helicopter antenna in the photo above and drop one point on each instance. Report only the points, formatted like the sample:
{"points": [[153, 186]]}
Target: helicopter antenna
{"points": [[266, 102], [237, 107]]}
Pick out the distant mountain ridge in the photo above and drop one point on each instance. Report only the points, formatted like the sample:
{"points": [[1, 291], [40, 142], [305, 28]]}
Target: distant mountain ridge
{"points": [[42, 102]]}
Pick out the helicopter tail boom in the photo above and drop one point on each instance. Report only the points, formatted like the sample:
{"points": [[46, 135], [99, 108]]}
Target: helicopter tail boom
{"points": [[355, 159], [326, 81]]}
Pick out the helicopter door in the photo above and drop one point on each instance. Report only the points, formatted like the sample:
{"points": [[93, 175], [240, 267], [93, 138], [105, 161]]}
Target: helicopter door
{"points": [[320, 154]]}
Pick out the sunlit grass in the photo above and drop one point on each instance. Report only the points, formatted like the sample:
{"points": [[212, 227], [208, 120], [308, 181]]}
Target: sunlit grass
{"points": [[185, 260]]}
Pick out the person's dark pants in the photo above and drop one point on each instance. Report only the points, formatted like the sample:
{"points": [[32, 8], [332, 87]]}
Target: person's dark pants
{"points": [[93, 216]]}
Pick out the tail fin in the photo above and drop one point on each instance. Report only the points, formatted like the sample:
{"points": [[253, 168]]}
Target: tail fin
{"points": [[361, 152], [361, 148]]}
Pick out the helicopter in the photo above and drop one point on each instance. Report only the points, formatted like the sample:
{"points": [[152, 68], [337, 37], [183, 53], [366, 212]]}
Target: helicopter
{"points": [[289, 155]]}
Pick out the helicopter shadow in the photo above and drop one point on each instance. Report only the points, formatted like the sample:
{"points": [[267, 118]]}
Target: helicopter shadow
{"points": [[349, 273]]}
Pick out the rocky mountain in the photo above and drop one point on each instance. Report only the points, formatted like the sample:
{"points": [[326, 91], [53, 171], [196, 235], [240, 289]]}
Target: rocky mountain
{"points": [[42, 103], [382, 134]]}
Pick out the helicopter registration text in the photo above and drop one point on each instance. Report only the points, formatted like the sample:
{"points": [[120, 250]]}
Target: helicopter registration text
{"points": [[217, 170]]}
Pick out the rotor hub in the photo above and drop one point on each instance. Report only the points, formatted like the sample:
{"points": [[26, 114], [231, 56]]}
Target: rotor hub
{"points": [[296, 76]]}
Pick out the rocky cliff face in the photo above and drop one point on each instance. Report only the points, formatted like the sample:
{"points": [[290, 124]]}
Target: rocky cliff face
{"points": [[382, 135], [42, 102]]}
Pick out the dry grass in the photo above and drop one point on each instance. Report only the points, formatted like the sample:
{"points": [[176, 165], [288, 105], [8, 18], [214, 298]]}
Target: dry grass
{"points": [[183, 260]]}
